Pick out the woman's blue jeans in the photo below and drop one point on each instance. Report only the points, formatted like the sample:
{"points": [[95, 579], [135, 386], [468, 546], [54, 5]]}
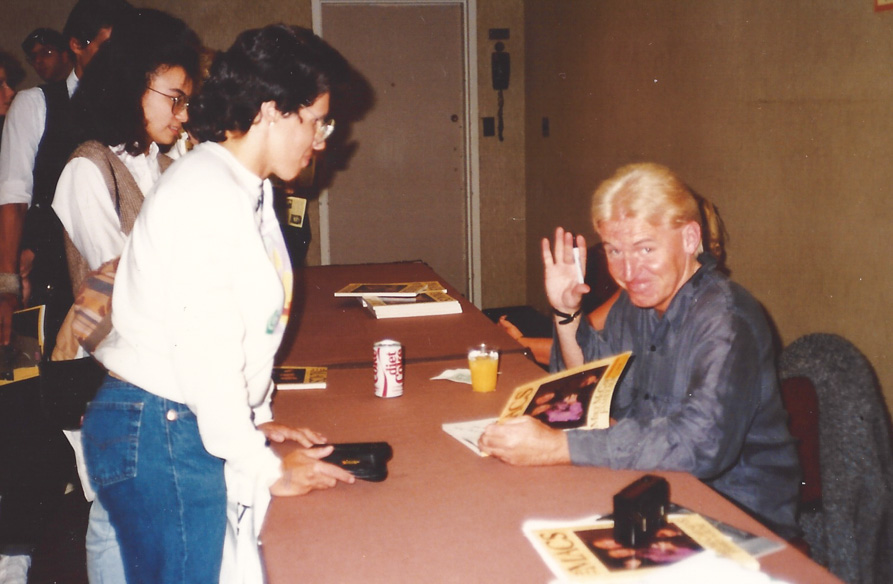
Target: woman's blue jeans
{"points": [[165, 494]]}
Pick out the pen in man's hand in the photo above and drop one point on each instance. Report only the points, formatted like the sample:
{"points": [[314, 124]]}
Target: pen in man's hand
{"points": [[577, 263]]}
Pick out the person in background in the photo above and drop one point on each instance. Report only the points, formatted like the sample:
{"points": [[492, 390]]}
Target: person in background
{"points": [[701, 392], [130, 103], [37, 140], [36, 462], [15, 560], [46, 51], [11, 74], [202, 297]]}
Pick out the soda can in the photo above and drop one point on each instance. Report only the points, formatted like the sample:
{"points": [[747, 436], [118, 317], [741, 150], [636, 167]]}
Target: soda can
{"points": [[387, 368]]}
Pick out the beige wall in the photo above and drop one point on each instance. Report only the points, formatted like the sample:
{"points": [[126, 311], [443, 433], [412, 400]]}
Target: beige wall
{"points": [[503, 216], [502, 163], [780, 112]]}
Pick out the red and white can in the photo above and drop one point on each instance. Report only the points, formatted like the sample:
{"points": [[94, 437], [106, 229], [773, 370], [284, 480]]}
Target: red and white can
{"points": [[387, 368]]}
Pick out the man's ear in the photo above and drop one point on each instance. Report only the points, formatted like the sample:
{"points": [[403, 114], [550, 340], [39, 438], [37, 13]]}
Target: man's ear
{"points": [[691, 237], [75, 46]]}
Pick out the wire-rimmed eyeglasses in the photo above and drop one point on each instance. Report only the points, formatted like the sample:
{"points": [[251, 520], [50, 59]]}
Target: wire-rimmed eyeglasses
{"points": [[324, 129], [179, 103]]}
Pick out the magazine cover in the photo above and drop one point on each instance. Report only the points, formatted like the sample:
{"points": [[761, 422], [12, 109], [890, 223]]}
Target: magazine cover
{"points": [[576, 398], [579, 398], [394, 289], [20, 359], [586, 550]]}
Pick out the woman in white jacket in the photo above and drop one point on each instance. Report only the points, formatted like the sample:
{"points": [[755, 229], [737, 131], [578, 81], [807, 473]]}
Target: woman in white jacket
{"points": [[201, 301]]}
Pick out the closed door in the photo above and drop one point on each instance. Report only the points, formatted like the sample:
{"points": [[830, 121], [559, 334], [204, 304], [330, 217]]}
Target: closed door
{"points": [[402, 194]]}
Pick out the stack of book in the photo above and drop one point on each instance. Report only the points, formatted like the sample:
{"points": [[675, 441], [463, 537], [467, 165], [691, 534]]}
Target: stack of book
{"points": [[402, 299]]}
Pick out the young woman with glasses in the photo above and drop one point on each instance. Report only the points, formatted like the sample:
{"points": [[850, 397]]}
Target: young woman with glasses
{"points": [[130, 105], [177, 439]]}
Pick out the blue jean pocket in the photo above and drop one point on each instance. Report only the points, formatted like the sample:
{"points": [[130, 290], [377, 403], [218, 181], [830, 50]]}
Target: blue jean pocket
{"points": [[111, 437]]}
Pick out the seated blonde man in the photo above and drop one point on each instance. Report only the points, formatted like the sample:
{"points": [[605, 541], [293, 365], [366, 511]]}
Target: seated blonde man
{"points": [[701, 393]]}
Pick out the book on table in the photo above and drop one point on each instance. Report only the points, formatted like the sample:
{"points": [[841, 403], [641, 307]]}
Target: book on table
{"points": [[586, 550], [20, 359], [427, 303], [286, 377], [388, 289], [578, 398]]}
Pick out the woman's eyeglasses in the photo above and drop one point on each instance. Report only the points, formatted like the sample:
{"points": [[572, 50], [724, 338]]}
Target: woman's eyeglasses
{"points": [[324, 129], [179, 103]]}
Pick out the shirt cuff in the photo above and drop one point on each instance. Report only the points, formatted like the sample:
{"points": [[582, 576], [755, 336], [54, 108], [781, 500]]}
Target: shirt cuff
{"points": [[15, 192], [244, 485], [588, 447]]}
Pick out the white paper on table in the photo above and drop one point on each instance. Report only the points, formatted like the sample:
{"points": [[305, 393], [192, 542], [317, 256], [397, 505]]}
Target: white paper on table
{"points": [[457, 375], [469, 432]]}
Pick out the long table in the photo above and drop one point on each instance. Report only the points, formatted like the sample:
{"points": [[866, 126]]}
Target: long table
{"points": [[445, 514], [340, 331]]}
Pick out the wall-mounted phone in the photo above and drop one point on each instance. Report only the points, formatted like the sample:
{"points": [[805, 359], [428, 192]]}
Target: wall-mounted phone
{"points": [[501, 68], [501, 65]]}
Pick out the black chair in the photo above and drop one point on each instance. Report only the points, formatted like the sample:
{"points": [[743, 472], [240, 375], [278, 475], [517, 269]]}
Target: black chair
{"points": [[851, 531]]}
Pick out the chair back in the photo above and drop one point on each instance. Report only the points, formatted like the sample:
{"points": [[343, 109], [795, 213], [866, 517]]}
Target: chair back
{"points": [[802, 404], [852, 532]]}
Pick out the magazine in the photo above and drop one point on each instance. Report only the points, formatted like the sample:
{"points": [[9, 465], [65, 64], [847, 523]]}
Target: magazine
{"points": [[586, 550], [578, 398], [20, 359], [389, 289]]}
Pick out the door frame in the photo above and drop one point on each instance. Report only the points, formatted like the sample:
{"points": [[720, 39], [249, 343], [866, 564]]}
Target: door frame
{"points": [[472, 158]]}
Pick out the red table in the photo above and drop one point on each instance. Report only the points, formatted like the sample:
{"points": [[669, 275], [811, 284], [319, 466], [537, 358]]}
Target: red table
{"points": [[444, 514], [331, 331]]}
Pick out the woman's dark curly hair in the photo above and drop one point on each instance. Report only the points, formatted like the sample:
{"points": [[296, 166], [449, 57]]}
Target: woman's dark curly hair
{"points": [[14, 72], [108, 102], [287, 65]]}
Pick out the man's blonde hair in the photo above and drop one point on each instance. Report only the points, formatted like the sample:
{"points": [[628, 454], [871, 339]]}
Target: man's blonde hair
{"points": [[656, 194]]}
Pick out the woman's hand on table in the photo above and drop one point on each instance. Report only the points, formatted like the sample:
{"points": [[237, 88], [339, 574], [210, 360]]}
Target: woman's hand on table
{"points": [[525, 441], [276, 432], [304, 471]]}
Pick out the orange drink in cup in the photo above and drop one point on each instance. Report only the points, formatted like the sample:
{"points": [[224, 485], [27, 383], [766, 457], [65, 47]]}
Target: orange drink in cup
{"points": [[483, 362]]}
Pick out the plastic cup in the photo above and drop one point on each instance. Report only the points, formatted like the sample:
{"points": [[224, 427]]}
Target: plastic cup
{"points": [[483, 362]]}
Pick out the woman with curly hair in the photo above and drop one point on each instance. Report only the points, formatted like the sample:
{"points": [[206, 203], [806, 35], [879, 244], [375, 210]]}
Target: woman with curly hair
{"points": [[177, 439], [130, 104]]}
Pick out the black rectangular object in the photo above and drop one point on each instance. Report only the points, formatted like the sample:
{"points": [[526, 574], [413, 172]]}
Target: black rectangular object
{"points": [[489, 126], [364, 460], [640, 509]]}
